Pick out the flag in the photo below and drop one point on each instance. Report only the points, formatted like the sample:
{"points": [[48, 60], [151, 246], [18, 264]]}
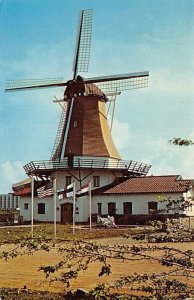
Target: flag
{"points": [[69, 190], [83, 191], [46, 190], [61, 194], [65, 193]]}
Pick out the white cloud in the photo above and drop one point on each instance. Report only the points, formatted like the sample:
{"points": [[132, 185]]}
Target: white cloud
{"points": [[165, 158], [121, 134], [11, 172], [170, 83], [168, 159], [38, 62]]}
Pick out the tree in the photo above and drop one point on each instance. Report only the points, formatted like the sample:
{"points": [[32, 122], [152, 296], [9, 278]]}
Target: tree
{"points": [[78, 255], [181, 142]]}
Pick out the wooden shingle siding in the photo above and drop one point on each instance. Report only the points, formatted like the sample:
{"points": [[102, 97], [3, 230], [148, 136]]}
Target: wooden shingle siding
{"points": [[89, 134]]}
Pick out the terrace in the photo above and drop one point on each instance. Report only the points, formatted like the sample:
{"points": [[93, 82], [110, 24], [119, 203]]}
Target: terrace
{"points": [[46, 167]]}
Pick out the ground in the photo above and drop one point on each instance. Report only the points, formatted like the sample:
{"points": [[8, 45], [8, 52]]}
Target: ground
{"points": [[23, 270]]}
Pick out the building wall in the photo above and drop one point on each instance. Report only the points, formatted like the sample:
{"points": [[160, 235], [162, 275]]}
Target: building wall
{"points": [[106, 177], [49, 209], [82, 211], [189, 196], [139, 202], [82, 205]]}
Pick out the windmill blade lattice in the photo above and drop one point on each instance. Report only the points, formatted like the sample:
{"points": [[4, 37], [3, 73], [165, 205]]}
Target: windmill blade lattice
{"points": [[122, 82], [83, 42], [81, 63], [57, 148], [25, 84]]}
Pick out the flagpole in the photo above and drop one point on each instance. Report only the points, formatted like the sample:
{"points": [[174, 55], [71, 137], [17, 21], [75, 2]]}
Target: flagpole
{"points": [[32, 205], [90, 205], [73, 207], [55, 207]]}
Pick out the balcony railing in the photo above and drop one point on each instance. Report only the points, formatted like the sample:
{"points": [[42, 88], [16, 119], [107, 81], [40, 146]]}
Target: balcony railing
{"points": [[46, 166]]}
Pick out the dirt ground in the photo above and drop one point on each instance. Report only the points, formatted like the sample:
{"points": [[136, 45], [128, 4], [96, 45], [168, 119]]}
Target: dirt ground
{"points": [[21, 271]]}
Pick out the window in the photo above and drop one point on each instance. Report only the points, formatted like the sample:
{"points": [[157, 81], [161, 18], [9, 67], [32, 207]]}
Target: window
{"points": [[127, 208], [4, 201], [26, 205], [41, 208], [96, 181], [99, 208], [111, 208], [8, 202], [16, 203], [190, 207], [152, 207], [68, 180]]}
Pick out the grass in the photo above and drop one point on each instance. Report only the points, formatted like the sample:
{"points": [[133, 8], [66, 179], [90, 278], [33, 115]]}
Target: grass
{"points": [[11, 234], [26, 294]]}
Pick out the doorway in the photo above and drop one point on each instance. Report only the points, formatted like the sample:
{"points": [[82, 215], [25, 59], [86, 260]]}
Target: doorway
{"points": [[66, 213]]}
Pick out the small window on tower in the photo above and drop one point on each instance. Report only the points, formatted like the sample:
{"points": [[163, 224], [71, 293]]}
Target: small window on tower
{"points": [[96, 181], [68, 180], [75, 124]]}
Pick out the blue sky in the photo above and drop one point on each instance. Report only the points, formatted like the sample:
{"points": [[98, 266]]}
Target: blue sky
{"points": [[38, 40]]}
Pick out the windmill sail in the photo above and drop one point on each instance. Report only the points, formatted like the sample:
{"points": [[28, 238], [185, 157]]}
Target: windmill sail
{"points": [[108, 84], [121, 82], [25, 84], [60, 133], [81, 63], [83, 42]]}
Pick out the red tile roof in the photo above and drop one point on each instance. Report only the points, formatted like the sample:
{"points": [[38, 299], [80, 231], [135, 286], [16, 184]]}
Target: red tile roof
{"points": [[151, 184]]}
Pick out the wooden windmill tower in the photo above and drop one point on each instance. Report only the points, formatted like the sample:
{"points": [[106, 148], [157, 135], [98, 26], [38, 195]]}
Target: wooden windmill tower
{"points": [[83, 139]]}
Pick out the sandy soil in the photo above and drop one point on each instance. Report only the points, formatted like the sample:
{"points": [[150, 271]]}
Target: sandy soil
{"points": [[22, 270]]}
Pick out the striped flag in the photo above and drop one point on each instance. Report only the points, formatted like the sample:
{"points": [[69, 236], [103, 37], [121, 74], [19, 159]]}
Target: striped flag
{"points": [[65, 193], [69, 190], [83, 191], [46, 190], [61, 194]]}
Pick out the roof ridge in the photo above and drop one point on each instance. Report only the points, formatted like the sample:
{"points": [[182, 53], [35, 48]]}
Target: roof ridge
{"points": [[160, 176], [150, 184]]}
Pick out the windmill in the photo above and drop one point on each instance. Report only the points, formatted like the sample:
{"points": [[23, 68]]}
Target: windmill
{"points": [[83, 128]]}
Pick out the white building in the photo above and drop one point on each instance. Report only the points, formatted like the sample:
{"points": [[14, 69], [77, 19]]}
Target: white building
{"points": [[99, 177], [143, 195], [9, 201], [131, 197]]}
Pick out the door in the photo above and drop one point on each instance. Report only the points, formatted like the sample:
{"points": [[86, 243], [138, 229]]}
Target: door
{"points": [[111, 208], [67, 213]]}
